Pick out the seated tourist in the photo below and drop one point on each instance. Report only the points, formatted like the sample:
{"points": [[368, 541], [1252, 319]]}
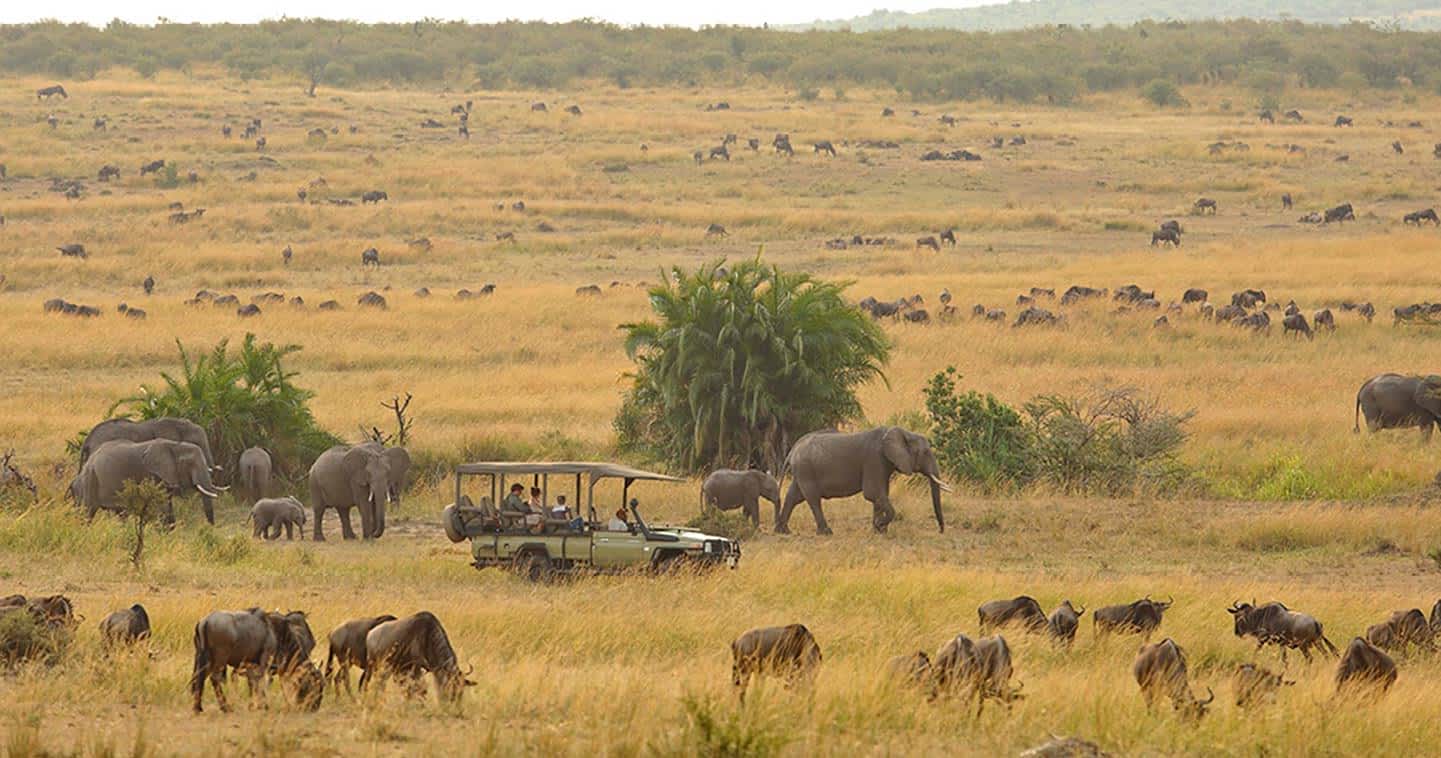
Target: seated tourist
{"points": [[618, 522]]}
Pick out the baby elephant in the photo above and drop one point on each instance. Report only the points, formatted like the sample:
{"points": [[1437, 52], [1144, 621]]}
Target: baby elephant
{"points": [[272, 513], [790, 652], [126, 626]]}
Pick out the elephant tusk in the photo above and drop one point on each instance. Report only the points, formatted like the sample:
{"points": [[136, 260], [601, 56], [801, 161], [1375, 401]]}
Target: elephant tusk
{"points": [[206, 492], [944, 487], [221, 489]]}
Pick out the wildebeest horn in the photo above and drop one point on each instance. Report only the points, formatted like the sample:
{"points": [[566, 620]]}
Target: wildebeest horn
{"points": [[944, 487], [1170, 601], [206, 492], [1210, 696], [1235, 607], [470, 670], [1081, 611]]}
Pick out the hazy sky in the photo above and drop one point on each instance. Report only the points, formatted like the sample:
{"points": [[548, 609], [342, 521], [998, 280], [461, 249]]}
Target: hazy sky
{"points": [[655, 12]]}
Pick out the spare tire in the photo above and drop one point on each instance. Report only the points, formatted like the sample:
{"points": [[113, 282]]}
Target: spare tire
{"points": [[454, 528]]}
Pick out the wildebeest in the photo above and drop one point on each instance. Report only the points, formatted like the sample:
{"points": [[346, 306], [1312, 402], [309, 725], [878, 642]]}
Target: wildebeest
{"points": [[1132, 293], [148, 285], [782, 144], [1040, 292], [1259, 321], [107, 171], [928, 241], [912, 670], [1162, 236], [1172, 224], [411, 647], [1022, 611], [1397, 148], [573, 110], [152, 167], [790, 652], [1267, 116], [370, 257], [1160, 670], [371, 299], [538, 107], [246, 641], [260, 144], [1077, 293], [1140, 617], [589, 290], [823, 146], [720, 152], [981, 669], [125, 626], [1248, 298], [1324, 319], [918, 316], [347, 648], [1205, 205], [374, 196], [754, 144], [1364, 666], [1365, 310], [246, 311], [73, 250], [46, 93], [329, 305], [716, 230], [1273, 623], [1253, 685], [1064, 621], [1286, 201], [948, 237], [1194, 295], [1034, 316], [1343, 212], [1293, 115], [1417, 217], [1402, 629], [1296, 322], [1343, 121]]}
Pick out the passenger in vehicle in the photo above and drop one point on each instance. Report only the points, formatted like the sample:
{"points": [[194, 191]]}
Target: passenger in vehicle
{"points": [[514, 503], [618, 522], [537, 505]]}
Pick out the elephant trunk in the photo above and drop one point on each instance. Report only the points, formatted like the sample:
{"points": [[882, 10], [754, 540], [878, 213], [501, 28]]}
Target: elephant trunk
{"points": [[936, 485]]}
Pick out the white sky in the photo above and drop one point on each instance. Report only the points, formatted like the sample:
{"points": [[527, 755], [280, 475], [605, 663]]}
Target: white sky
{"points": [[652, 12]]}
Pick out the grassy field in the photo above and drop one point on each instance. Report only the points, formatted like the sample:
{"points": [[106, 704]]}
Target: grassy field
{"points": [[1294, 505]]}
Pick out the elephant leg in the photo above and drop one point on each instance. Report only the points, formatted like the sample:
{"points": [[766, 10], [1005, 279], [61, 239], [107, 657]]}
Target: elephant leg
{"points": [[273, 532], [753, 510], [289, 530], [345, 531], [258, 528], [814, 501], [882, 512], [783, 512], [317, 509]]}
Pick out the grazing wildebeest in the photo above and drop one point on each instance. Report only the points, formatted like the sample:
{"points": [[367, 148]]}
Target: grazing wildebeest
{"points": [[1286, 201], [754, 144], [790, 652], [1406, 313], [73, 250], [1023, 611], [260, 144], [1034, 316], [329, 305], [411, 647], [372, 299], [47, 92], [1267, 116], [246, 311], [979, 668], [1397, 148], [1040, 292], [1025, 300], [371, 257], [126, 626], [1162, 236], [107, 171], [948, 237], [247, 641], [1173, 225], [1077, 293], [887, 112], [148, 285], [374, 196], [588, 290], [1259, 321], [1133, 294], [716, 230], [996, 314], [929, 242], [912, 670], [918, 316], [720, 152], [573, 110], [1417, 217], [1248, 298], [730, 139], [225, 131], [1206, 205], [1403, 628], [1296, 322], [1254, 685], [538, 107], [1160, 670], [1273, 623], [1343, 121], [1343, 212], [1140, 617], [1365, 310], [824, 146], [1323, 319], [347, 648], [782, 144], [100, 124], [1064, 621], [1293, 115], [1364, 667], [1194, 295], [152, 167]]}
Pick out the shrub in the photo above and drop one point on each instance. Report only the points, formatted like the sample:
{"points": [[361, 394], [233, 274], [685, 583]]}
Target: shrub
{"points": [[977, 438], [712, 520], [141, 502], [1111, 441], [1163, 94], [241, 399], [741, 363]]}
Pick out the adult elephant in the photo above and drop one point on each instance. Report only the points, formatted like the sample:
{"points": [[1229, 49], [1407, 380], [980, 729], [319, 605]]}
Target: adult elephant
{"points": [[254, 471], [399, 461], [833, 464], [163, 428], [180, 466], [1392, 401], [351, 476], [728, 489]]}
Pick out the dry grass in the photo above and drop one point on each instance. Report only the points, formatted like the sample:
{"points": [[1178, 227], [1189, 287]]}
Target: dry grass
{"points": [[569, 669]]}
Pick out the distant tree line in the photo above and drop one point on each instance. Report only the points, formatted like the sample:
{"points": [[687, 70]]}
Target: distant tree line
{"points": [[1046, 64]]}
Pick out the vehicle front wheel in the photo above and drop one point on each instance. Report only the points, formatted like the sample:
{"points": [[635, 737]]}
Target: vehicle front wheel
{"points": [[674, 563], [533, 566]]}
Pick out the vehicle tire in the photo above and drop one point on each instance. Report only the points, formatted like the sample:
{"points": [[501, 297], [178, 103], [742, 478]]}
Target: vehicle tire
{"points": [[534, 566]]}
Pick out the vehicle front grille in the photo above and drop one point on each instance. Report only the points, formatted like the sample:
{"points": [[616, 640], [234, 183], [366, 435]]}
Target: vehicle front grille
{"points": [[720, 547]]}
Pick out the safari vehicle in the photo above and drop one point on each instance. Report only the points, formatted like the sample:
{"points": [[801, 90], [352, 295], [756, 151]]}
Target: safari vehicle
{"points": [[579, 542]]}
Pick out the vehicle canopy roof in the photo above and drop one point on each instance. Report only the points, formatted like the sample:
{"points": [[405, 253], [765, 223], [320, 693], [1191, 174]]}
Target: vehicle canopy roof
{"points": [[596, 470]]}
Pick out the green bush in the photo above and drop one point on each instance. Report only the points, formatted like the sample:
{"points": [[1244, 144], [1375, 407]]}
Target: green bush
{"points": [[733, 525], [1163, 94], [977, 438]]}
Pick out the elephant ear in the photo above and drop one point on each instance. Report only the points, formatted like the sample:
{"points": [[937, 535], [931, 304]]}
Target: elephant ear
{"points": [[894, 447], [159, 460], [356, 459]]}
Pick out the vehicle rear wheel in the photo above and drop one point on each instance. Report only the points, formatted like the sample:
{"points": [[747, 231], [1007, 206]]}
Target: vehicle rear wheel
{"points": [[534, 566]]}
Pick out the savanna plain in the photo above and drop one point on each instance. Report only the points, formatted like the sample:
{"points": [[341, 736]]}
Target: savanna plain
{"points": [[1288, 504]]}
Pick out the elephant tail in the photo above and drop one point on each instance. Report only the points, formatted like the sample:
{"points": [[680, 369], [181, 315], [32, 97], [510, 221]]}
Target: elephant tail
{"points": [[1357, 416]]}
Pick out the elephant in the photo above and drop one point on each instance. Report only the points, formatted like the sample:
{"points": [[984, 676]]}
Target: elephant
{"points": [[164, 428], [1391, 401], [830, 464], [399, 461], [254, 471], [727, 489], [180, 466], [346, 477], [270, 514]]}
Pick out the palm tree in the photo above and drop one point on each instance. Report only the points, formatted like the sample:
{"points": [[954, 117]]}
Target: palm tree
{"points": [[741, 362]]}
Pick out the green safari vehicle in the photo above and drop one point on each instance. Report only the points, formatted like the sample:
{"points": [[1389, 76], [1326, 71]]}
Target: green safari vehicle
{"points": [[569, 539]]}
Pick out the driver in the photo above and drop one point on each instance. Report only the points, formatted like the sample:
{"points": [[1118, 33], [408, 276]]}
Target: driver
{"points": [[618, 522]]}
